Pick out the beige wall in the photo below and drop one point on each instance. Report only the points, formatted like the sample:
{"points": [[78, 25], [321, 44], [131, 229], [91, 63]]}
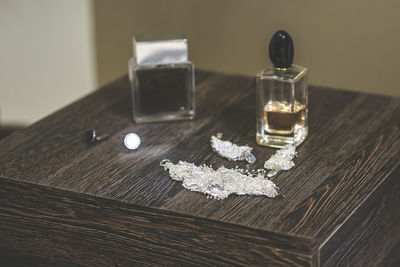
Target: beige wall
{"points": [[46, 57], [346, 44], [53, 52]]}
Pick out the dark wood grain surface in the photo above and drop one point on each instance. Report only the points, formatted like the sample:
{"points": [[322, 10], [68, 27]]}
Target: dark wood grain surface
{"points": [[352, 151], [70, 228]]}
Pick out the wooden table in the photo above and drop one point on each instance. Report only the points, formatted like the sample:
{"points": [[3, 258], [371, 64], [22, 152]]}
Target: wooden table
{"points": [[63, 201]]}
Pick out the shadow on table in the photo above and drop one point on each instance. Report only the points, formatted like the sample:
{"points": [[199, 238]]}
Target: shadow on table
{"points": [[6, 130]]}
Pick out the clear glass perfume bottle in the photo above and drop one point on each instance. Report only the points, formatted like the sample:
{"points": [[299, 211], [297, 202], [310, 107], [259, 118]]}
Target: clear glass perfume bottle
{"points": [[162, 79], [282, 97]]}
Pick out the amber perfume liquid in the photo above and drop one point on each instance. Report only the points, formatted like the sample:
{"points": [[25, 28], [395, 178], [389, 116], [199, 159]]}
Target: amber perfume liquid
{"points": [[282, 106], [280, 119]]}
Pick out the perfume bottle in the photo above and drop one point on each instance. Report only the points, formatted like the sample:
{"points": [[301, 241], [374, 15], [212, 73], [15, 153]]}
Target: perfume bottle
{"points": [[282, 97], [162, 79]]}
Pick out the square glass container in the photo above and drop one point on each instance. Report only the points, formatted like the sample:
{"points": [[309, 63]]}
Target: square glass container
{"points": [[282, 106], [162, 79]]}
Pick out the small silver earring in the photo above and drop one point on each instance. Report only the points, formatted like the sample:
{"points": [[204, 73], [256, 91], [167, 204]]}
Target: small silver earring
{"points": [[91, 137]]}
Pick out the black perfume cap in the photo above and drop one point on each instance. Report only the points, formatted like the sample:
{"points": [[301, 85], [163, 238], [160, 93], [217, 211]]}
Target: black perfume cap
{"points": [[281, 50]]}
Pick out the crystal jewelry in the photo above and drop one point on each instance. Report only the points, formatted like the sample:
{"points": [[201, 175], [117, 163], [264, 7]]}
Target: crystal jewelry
{"points": [[220, 183], [231, 151], [91, 137], [282, 160], [132, 141]]}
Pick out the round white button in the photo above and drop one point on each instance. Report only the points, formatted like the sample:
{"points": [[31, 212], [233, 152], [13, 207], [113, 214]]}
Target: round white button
{"points": [[132, 141]]}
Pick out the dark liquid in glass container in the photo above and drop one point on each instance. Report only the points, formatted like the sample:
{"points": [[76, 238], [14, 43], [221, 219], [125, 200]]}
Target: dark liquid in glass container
{"points": [[163, 90]]}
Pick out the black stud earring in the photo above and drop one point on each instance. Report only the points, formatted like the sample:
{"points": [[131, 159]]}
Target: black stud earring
{"points": [[90, 137]]}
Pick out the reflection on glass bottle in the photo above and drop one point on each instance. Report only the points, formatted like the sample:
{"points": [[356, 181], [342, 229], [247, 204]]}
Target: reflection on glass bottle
{"points": [[282, 97], [162, 80]]}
